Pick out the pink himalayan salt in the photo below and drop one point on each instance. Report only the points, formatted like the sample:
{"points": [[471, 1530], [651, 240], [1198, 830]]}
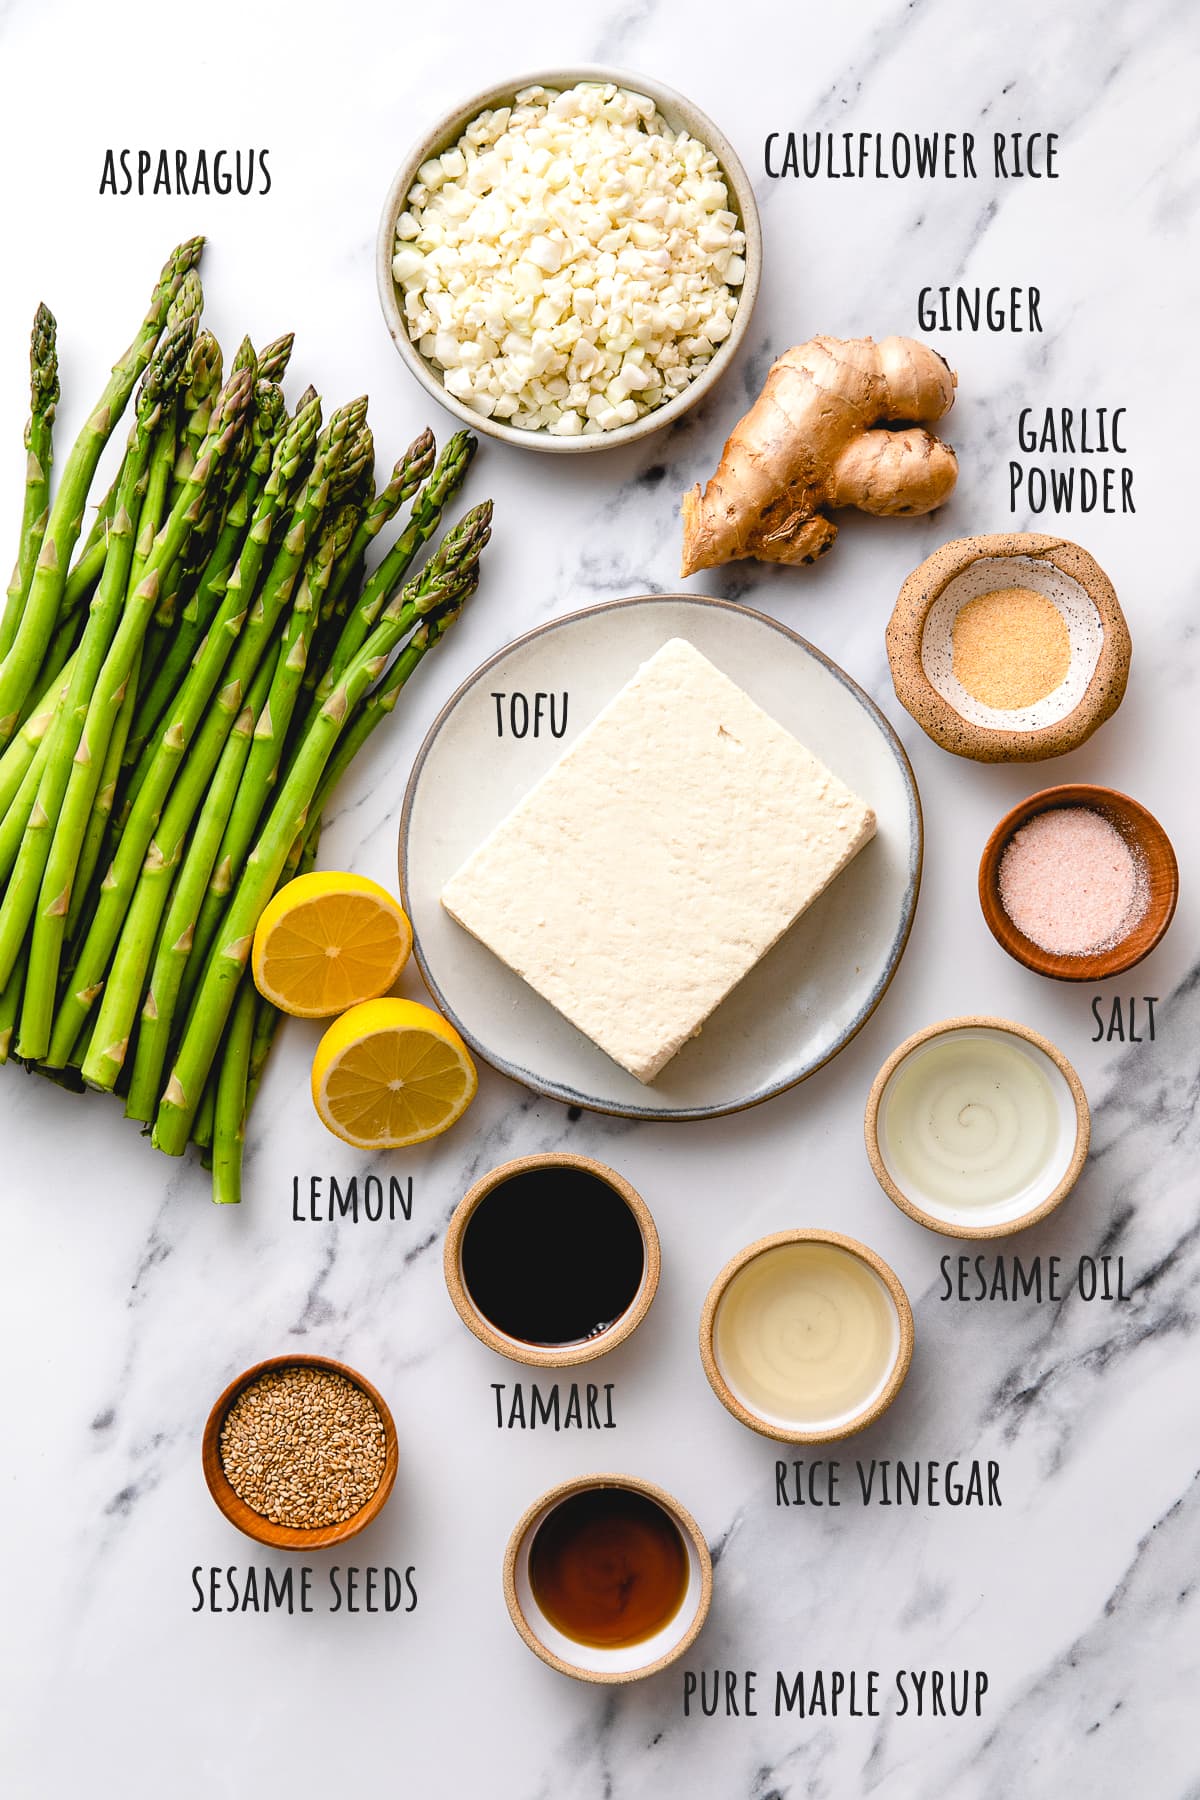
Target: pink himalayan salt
{"points": [[1071, 883]]}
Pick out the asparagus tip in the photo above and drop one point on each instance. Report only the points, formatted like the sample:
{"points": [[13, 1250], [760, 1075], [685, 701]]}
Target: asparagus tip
{"points": [[245, 358], [274, 357], [44, 390]]}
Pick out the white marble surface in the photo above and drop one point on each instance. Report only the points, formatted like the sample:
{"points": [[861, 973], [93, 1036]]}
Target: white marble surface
{"points": [[129, 1301]]}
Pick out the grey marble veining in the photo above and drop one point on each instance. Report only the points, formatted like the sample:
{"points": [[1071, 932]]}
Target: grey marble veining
{"points": [[129, 1301]]}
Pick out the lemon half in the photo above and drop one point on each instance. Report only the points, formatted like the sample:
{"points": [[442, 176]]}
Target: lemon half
{"points": [[390, 1073], [328, 941]]}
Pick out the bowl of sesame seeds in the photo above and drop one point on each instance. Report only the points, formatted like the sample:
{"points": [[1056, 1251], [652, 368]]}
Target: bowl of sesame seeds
{"points": [[300, 1452]]}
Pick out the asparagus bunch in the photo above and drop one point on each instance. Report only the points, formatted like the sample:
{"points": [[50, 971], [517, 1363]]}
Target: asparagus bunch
{"points": [[177, 704]]}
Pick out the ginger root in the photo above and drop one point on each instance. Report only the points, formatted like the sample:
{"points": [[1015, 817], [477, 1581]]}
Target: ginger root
{"points": [[814, 439]]}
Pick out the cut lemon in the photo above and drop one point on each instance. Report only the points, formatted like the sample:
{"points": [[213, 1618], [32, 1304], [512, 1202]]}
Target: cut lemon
{"points": [[390, 1073], [327, 941]]}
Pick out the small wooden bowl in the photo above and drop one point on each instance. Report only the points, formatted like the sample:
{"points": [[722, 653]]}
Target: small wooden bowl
{"points": [[768, 1427], [962, 1227], [583, 1661], [1149, 843], [290, 1537], [553, 1356]]}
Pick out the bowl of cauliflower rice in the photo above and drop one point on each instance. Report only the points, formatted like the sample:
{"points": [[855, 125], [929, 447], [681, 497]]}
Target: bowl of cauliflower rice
{"points": [[570, 260]]}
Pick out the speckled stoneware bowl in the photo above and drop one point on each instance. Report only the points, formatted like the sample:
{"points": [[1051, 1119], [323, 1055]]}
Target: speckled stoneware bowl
{"points": [[919, 638], [589, 1662], [556, 1356], [796, 1432], [680, 114]]}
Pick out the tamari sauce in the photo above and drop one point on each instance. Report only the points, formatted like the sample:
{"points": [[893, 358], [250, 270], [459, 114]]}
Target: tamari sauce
{"points": [[608, 1567], [552, 1256]]}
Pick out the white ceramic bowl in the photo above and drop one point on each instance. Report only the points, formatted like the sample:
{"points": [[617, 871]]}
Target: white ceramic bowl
{"points": [[1053, 1181], [679, 114]]}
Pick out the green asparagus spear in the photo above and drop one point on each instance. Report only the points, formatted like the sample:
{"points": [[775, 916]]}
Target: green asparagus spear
{"points": [[24, 880], [10, 1005], [106, 793], [268, 1018], [20, 667], [15, 822], [202, 1131], [63, 745], [409, 471], [382, 699], [87, 569], [158, 486], [202, 384], [266, 754], [80, 586], [153, 507], [357, 466], [229, 1107], [39, 452], [407, 476], [93, 545], [244, 358], [238, 599]]}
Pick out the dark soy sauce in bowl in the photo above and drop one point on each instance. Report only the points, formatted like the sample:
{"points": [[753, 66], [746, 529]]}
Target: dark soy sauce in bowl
{"points": [[552, 1256]]}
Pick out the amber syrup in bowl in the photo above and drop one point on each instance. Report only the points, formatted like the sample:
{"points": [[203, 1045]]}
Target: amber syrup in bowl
{"points": [[608, 1578], [608, 1567]]}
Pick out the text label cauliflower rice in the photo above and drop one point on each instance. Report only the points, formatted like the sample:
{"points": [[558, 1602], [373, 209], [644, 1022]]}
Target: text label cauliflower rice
{"points": [[572, 263]]}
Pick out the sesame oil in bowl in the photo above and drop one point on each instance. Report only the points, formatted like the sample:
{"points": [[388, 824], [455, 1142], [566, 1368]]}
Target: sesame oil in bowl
{"points": [[970, 1122], [977, 1127]]}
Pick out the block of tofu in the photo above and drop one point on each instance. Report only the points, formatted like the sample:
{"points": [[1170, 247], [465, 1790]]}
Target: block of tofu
{"points": [[670, 846]]}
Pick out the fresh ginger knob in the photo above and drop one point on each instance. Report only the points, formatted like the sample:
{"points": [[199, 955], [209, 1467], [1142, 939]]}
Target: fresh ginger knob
{"points": [[820, 435]]}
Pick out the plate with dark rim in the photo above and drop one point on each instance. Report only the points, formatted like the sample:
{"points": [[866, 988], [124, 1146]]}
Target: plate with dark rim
{"points": [[812, 991]]}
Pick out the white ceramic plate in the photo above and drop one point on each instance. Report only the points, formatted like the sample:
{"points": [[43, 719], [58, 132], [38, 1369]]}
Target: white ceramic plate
{"points": [[809, 994]]}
